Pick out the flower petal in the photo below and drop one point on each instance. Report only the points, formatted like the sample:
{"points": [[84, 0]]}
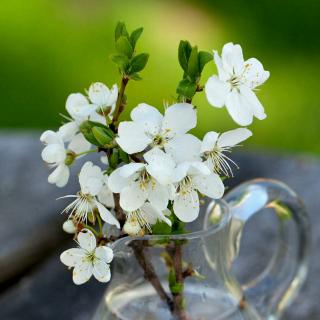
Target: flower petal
{"points": [[233, 137], [254, 73], [160, 165], [60, 176], [78, 106], [238, 108], [132, 197], [253, 102], [101, 271], [158, 195], [104, 253], [209, 141], [72, 257], [51, 137], [106, 215], [116, 181], [99, 93], [186, 207], [210, 185], [179, 118], [232, 58], [91, 179], [128, 170], [53, 153], [132, 137], [79, 144], [184, 147], [105, 196], [148, 117], [151, 214], [68, 130], [216, 91], [82, 273], [223, 74], [87, 240]]}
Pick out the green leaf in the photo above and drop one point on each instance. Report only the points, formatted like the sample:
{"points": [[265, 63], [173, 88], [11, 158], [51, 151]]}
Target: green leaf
{"points": [[135, 76], [204, 57], [86, 130], [161, 228], [135, 35], [124, 47], [193, 64], [138, 63], [119, 59], [114, 159], [184, 51], [186, 88], [120, 30], [101, 136], [124, 156]]}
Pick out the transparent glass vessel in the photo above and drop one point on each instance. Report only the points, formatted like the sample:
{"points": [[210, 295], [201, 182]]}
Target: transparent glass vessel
{"points": [[200, 285]]}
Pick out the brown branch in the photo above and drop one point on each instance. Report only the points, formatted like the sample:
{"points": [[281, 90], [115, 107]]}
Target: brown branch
{"points": [[150, 275], [175, 251], [120, 103]]}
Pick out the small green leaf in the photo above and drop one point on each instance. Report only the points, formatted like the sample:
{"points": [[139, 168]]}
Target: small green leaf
{"points": [[124, 156], [86, 130], [101, 136], [184, 51], [135, 35], [124, 47], [120, 30], [186, 88], [161, 228], [119, 59], [138, 63], [135, 76], [114, 159], [193, 64], [204, 57]]}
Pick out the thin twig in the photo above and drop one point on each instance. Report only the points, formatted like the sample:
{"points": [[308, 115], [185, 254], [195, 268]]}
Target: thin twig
{"points": [[149, 272]]}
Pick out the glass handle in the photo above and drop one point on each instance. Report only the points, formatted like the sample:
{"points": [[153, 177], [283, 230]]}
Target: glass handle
{"points": [[275, 288]]}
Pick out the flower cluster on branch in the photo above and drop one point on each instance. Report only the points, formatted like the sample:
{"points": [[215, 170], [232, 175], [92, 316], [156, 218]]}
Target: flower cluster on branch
{"points": [[153, 170]]}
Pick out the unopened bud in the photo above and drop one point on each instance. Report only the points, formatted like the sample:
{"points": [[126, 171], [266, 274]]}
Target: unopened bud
{"points": [[133, 228], [70, 158], [69, 227]]}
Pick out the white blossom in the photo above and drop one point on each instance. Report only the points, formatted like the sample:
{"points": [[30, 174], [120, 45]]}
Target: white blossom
{"points": [[144, 218], [69, 226], [215, 146], [139, 182], [150, 128], [192, 177], [92, 183], [55, 154], [88, 259], [234, 85]]}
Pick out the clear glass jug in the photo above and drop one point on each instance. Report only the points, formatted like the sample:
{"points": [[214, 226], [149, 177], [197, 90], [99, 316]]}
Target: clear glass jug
{"points": [[188, 276]]}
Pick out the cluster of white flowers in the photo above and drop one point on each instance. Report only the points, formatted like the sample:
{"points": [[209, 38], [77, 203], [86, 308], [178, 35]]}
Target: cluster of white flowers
{"points": [[168, 167]]}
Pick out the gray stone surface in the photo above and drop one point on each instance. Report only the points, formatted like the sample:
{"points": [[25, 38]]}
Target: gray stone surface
{"points": [[30, 224]]}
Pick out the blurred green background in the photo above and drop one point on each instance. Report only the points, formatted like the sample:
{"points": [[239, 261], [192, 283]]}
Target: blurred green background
{"points": [[52, 48]]}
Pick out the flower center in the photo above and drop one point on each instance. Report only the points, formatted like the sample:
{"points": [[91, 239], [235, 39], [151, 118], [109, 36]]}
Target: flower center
{"points": [[185, 186], [219, 162], [138, 216], [144, 179], [90, 257]]}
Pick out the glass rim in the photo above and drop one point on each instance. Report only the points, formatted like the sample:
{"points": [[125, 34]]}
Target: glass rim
{"points": [[207, 229]]}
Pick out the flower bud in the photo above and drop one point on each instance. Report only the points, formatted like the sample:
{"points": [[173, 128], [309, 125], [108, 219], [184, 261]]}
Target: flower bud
{"points": [[70, 158], [133, 228], [69, 227]]}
